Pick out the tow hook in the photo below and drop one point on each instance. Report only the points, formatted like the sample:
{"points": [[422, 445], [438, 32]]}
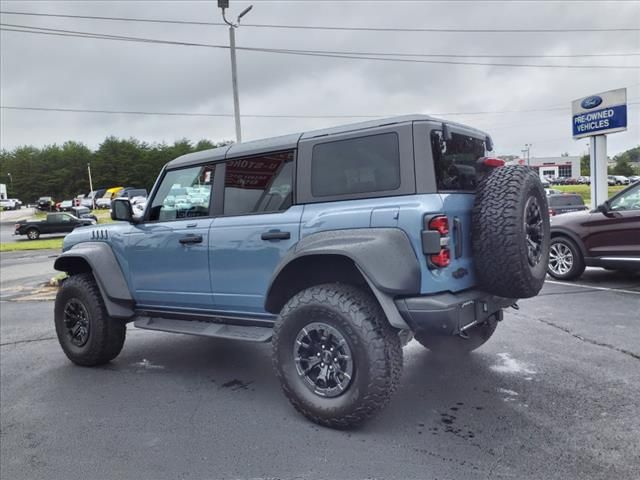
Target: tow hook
{"points": [[515, 306], [462, 333]]}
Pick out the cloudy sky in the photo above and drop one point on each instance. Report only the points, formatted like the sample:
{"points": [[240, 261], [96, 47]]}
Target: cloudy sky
{"points": [[81, 73]]}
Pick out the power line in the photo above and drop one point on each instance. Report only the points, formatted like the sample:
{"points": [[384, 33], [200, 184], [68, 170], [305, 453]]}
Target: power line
{"points": [[335, 28], [284, 115], [314, 53]]}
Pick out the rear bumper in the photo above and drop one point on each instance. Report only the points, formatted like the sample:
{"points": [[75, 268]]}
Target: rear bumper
{"points": [[448, 313]]}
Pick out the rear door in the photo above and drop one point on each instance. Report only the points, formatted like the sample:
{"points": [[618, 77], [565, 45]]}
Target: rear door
{"points": [[453, 161], [257, 228]]}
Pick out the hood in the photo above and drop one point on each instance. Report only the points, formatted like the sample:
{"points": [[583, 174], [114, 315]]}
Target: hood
{"points": [[570, 218], [101, 232]]}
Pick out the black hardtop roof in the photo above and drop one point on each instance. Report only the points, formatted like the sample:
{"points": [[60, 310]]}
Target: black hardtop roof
{"points": [[286, 142]]}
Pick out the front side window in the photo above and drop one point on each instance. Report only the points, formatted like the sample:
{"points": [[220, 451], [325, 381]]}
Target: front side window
{"points": [[356, 165], [630, 200], [259, 184], [455, 160], [183, 193]]}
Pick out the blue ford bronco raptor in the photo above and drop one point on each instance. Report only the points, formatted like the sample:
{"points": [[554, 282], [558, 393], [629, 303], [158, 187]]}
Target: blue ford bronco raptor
{"points": [[337, 245]]}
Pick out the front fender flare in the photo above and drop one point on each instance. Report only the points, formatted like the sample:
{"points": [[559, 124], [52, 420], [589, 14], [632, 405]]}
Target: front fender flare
{"points": [[107, 272]]}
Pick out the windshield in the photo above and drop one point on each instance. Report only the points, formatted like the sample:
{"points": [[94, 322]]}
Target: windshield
{"points": [[455, 160]]}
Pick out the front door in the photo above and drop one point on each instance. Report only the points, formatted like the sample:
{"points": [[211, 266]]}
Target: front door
{"points": [[617, 234], [168, 253], [258, 227]]}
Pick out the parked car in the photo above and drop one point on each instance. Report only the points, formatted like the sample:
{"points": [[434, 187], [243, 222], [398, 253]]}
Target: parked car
{"points": [[634, 178], [83, 212], [54, 223], [64, 206], [617, 180], [8, 204], [46, 204], [545, 182], [552, 191], [607, 237], [564, 203], [337, 245], [17, 202], [584, 180]]}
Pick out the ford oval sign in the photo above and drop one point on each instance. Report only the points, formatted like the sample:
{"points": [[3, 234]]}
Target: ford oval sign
{"points": [[591, 102]]}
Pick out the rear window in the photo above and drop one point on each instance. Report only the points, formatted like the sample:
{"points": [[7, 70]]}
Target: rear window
{"points": [[565, 200], [455, 160], [356, 165]]}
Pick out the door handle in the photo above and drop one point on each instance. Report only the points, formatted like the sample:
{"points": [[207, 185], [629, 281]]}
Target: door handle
{"points": [[275, 235], [457, 233], [189, 239]]}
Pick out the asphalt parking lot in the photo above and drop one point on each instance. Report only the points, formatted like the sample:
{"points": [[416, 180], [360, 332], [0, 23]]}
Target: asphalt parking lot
{"points": [[554, 395]]}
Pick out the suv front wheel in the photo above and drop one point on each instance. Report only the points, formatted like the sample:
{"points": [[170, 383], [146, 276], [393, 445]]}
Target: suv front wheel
{"points": [[87, 335], [337, 358]]}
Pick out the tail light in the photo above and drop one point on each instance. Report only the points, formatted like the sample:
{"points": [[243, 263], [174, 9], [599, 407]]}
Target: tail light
{"points": [[552, 212], [16, 226], [492, 162], [441, 224], [435, 241]]}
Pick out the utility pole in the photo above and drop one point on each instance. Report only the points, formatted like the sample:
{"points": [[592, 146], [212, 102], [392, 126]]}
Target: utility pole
{"points": [[93, 196], [224, 4]]}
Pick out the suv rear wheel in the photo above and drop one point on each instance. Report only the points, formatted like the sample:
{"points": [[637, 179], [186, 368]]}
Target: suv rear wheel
{"points": [[337, 358], [87, 334]]}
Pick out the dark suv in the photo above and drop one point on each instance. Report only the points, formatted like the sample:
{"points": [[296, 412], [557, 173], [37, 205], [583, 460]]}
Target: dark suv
{"points": [[607, 237], [337, 245]]}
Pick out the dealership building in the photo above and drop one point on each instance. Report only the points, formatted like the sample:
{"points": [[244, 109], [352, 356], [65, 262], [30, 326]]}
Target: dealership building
{"points": [[553, 166]]}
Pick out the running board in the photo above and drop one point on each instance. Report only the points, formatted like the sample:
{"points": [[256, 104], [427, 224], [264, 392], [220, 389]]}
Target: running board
{"points": [[206, 329]]}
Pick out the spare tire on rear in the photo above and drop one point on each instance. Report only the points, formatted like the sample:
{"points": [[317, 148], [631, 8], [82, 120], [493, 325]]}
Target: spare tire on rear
{"points": [[510, 232]]}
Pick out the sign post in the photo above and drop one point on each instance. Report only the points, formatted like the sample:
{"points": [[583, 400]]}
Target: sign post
{"points": [[595, 116]]}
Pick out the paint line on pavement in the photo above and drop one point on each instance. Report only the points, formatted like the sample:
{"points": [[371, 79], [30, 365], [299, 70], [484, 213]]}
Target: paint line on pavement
{"points": [[606, 289]]}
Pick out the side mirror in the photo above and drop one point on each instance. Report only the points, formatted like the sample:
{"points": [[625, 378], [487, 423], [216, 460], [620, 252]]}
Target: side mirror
{"points": [[121, 210], [604, 208], [488, 143]]}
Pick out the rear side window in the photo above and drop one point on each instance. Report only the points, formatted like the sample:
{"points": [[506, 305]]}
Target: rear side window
{"points": [[356, 165], [565, 200], [259, 184], [455, 160]]}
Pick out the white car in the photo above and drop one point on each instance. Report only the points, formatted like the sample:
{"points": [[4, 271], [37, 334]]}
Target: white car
{"points": [[104, 202], [8, 204], [621, 180]]}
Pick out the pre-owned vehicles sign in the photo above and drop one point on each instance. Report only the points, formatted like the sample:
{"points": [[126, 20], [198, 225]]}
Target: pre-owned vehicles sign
{"points": [[600, 114]]}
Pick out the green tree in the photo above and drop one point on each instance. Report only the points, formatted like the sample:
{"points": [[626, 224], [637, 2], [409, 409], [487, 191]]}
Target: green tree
{"points": [[585, 165]]}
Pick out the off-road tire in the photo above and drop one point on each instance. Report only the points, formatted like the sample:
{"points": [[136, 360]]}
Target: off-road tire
{"points": [[455, 345], [577, 267], [499, 236], [33, 233], [375, 346], [106, 335]]}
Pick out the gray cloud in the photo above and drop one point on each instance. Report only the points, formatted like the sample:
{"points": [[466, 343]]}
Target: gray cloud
{"points": [[97, 74]]}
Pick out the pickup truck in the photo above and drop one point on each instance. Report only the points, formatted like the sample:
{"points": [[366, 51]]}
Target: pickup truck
{"points": [[54, 223]]}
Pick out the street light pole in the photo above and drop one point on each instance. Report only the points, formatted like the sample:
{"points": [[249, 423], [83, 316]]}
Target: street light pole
{"points": [[224, 4], [527, 150], [10, 181], [93, 196]]}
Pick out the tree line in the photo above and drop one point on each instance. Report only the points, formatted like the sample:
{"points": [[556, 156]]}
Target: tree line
{"points": [[60, 171], [626, 163]]}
